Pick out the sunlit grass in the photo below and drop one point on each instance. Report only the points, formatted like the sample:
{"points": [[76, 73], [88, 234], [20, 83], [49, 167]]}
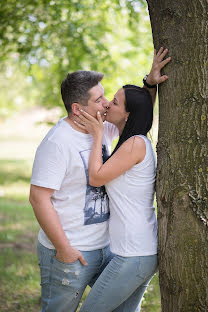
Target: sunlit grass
{"points": [[19, 287], [19, 271], [151, 301], [14, 179]]}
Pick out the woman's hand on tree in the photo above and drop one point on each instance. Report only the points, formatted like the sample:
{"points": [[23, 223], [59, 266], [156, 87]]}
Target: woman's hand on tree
{"points": [[159, 62]]}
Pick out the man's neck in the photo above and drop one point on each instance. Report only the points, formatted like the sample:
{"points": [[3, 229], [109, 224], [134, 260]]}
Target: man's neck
{"points": [[70, 120]]}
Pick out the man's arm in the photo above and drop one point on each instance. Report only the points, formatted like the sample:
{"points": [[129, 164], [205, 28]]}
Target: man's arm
{"points": [[155, 77], [40, 199]]}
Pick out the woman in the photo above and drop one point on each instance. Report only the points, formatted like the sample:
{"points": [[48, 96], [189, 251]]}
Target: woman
{"points": [[129, 177]]}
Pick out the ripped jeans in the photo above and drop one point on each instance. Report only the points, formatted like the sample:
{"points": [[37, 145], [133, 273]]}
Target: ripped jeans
{"points": [[63, 284]]}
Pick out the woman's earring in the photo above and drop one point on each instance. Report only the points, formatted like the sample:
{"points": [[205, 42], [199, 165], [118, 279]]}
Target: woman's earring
{"points": [[126, 119]]}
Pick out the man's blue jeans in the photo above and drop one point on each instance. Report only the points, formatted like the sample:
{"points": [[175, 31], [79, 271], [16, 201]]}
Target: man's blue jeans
{"points": [[121, 285], [64, 283]]}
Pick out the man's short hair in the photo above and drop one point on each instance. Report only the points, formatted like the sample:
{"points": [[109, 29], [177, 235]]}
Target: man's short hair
{"points": [[75, 87]]}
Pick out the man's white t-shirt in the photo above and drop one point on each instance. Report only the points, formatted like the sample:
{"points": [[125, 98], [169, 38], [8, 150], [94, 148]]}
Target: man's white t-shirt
{"points": [[61, 163]]}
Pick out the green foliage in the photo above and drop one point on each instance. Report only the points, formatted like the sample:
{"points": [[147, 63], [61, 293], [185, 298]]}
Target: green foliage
{"points": [[16, 89], [69, 31], [64, 30], [47, 39]]}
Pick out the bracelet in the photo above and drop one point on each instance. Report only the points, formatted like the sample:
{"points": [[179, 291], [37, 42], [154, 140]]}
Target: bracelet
{"points": [[147, 84]]}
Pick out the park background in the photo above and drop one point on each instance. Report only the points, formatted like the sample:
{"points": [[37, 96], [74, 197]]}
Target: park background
{"points": [[41, 42]]}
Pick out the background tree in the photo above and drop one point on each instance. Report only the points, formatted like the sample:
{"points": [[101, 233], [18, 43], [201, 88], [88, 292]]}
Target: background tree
{"points": [[46, 39], [182, 175]]}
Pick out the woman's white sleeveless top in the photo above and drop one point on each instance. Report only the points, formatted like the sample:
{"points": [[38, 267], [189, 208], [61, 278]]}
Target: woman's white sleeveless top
{"points": [[133, 224]]}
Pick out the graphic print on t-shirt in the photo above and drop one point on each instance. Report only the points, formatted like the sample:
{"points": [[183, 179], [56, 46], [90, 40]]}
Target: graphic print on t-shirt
{"points": [[96, 209]]}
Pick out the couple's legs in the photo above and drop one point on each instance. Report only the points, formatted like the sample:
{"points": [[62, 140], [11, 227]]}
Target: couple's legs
{"points": [[121, 285], [64, 283]]}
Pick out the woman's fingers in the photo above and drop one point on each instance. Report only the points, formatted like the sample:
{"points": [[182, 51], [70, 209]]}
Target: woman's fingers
{"points": [[91, 125], [163, 63], [159, 52], [87, 120], [162, 79], [163, 54], [79, 125], [86, 115], [82, 118], [99, 118]]}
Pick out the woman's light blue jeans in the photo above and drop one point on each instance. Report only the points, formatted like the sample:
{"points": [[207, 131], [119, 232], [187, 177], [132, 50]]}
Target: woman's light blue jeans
{"points": [[121, 285]]}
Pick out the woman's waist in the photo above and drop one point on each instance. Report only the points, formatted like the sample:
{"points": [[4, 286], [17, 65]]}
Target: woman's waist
{"points": [[128, 224], [129, 242]]}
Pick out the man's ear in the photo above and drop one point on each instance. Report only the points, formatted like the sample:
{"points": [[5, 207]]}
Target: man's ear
{"points": [[76, 108]]}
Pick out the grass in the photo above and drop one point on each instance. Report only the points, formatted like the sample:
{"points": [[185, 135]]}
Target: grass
{"points": [[19, 271], [151, 300]]}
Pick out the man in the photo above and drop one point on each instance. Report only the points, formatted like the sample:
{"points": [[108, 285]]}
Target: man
{"points": [[73, 240]]}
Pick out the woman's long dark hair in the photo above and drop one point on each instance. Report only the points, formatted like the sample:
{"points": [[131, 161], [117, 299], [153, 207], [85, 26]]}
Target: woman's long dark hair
{"points": [[138, 102]]}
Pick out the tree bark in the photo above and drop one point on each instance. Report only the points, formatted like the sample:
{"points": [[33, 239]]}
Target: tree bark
{"points": [[182, 174]]}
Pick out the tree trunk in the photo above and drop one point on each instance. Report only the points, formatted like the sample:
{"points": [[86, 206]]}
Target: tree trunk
{"points": [[182, 174]]}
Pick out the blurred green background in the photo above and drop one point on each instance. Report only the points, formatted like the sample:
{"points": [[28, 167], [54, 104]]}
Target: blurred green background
{"points": [[41, 41]]}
